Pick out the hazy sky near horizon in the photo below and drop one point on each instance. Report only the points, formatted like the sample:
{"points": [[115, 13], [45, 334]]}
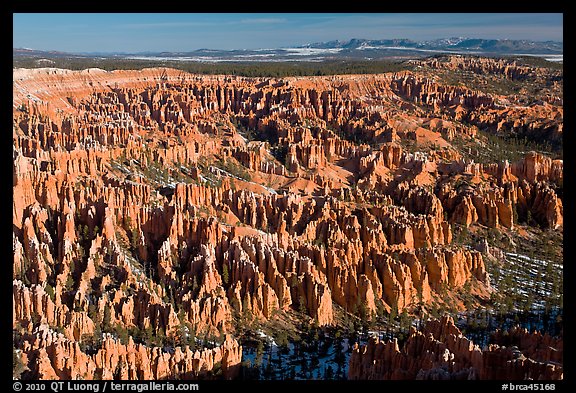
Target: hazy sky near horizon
{"points": [[108, 32]]}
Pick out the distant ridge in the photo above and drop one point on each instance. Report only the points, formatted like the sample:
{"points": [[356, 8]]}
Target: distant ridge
{"points": [[355, 48], [450, 44]]}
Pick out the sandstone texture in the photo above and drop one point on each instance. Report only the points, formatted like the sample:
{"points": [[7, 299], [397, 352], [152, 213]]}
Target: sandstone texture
{"points": [[154, 209], [439, 351]]}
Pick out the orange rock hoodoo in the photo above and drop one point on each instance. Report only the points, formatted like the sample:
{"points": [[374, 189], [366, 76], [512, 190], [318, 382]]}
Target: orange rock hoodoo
{"points": [[140, 204], [440, 351]]}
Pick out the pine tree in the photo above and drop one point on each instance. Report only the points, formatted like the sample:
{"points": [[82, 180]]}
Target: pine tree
{"points": [[302, 305], [194, 284], [106, 320], [225, 277]]}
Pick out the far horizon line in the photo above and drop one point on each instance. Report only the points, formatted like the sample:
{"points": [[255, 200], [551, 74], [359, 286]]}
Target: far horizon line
{"points": [[284, 47]]}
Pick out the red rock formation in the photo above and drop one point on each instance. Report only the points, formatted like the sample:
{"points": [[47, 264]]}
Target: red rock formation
{"points": [[139, 203], [496, 205], [424, 91], [535, 345], [510, 69], [52, 356], [440, 351]]}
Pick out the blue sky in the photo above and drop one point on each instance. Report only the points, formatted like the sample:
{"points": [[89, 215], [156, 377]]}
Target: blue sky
{"points": [[107, 32]]}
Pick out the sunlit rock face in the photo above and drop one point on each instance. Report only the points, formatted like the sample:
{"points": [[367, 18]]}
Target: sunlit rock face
{"points": [[441, 352], [155, 208]]}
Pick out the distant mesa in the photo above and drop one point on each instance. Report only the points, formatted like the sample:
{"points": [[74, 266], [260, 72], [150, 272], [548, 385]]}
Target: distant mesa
{"points": [[352, 49]]}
